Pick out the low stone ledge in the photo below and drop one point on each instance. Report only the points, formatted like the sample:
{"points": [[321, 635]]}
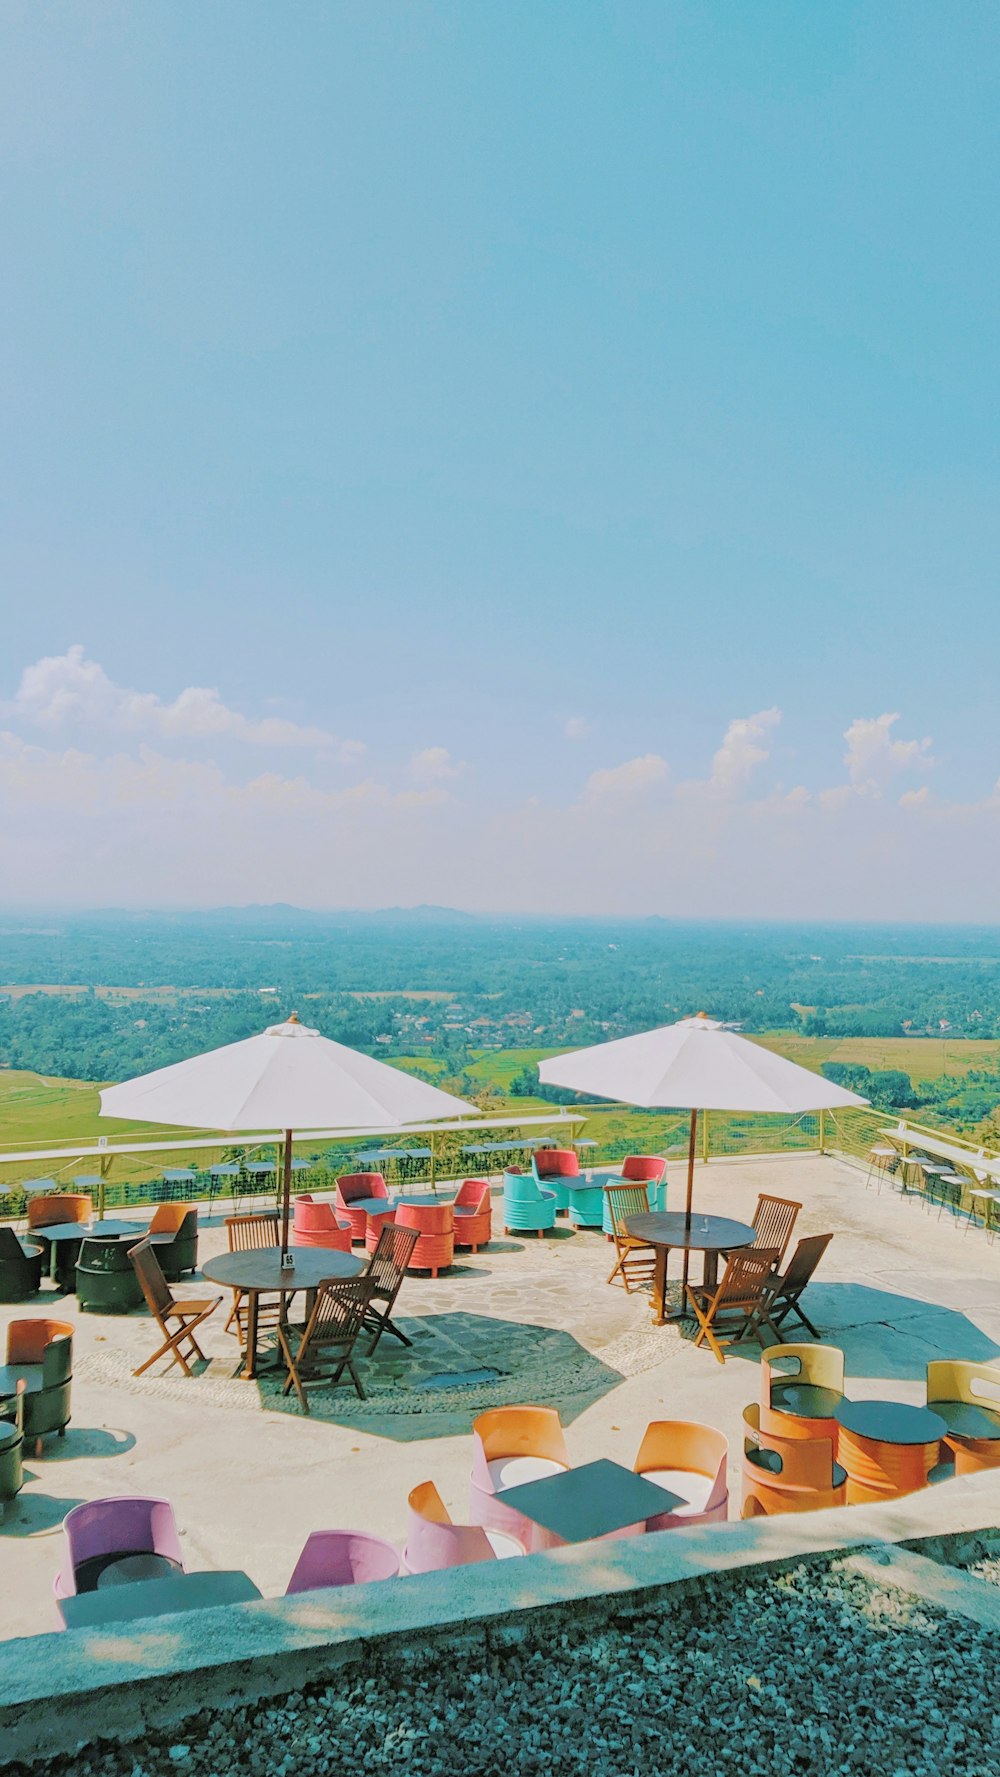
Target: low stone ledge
{"points": [[64, 1690]]}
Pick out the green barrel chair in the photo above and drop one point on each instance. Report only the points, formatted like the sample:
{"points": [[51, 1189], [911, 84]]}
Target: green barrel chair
{"points": [[20, 1267], [12, 1444], [39, 1357], [105, 1278]]}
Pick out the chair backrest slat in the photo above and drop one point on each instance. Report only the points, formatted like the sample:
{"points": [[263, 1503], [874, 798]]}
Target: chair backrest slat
{"points": [[774, 1219], [154, 1285], [745, 1276], [250, 1233], [805, 1259]]}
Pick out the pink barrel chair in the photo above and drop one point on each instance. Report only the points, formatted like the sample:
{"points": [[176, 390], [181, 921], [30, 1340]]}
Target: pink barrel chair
{"points": [[691, 1460], [550, 1165], [103, 1530], [435, 1224], [511, 1445], [473, 1214], [434, 1541], [318, 1224], [353, 1187], [342, 1558]]}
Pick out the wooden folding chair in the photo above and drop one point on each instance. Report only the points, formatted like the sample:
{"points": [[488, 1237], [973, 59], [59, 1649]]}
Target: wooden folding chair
{"points": [[251, 1234], [738, 1304], [773, 1221], [330, 1335], [785, 1293], [636, 1259], [179, 1342], [384, 1274]]}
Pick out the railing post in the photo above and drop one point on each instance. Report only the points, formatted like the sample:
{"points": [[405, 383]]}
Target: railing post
{"points": [[705, 1138], [822, 1132]]}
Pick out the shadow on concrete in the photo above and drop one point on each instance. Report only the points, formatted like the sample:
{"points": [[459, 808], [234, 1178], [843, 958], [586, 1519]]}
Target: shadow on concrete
{"points": [[35, 1514], [87, 1440], [459, 1365], [882, 1334]]}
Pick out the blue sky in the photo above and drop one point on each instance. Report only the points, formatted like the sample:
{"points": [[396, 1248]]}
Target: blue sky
{"points": [[539, 398]]}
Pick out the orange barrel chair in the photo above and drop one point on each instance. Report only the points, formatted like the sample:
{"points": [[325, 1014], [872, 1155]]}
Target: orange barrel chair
{"points": [[434, 1541], [39, 1356], [473, 1214], [173, 1231], [550, 1166], [435, 1225], [318, 1224], [511, 1445], [69, 1206], [782, 1474], [889, 1449], [967, 1397], [689, 1459], [358, 1187], [801, 1387]]}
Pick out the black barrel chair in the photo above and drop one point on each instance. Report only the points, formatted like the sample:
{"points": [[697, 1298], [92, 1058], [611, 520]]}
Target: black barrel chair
{"points": [[20, 1267], [105, 1280], [39, 1356]]}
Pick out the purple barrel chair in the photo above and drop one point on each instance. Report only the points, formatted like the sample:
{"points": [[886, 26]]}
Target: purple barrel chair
{"points": [[342, 1558], [104, 1530]]}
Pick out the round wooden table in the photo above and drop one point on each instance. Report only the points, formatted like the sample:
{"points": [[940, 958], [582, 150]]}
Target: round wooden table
{"points": [[668, 1229], [260, 1272]]}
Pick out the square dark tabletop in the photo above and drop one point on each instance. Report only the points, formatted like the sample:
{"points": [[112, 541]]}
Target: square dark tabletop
{"points": [[156, 1598], [589, 1501]]}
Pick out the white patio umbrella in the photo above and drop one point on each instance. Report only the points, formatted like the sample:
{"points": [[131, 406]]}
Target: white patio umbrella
{"points": [[290, 1077], [696, 1065]]}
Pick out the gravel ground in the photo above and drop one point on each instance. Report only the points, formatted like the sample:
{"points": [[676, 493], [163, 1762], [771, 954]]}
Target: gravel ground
{"points": [[812, 1672]]}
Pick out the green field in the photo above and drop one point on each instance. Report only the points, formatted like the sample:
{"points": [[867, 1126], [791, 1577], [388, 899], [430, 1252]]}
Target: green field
{"points": [[36, 1112]]}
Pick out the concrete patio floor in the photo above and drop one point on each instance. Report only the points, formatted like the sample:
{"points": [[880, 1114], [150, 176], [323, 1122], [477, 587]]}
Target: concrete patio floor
{"points": [[249, 1477]]}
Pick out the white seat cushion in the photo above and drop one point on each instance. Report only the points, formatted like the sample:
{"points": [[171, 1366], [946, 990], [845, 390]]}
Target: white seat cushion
{"points": [[693, 1489], [512, 1471], [503, 1546]]}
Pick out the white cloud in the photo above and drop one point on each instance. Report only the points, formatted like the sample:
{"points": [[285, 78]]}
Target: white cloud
{"points": [[873, 757], [576, 728], [434, 765], [64, 690], [625, 782], [914, 798], [741, 751]]}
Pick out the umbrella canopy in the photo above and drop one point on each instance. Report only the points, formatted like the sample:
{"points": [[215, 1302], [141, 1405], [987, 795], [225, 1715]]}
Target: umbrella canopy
{"points": [[697, 1064], [289, 1077]]}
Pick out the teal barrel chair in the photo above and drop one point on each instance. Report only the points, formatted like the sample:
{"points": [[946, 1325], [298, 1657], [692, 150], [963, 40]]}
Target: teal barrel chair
{"points": [[527, 1208], [105, 1278], [39, 1360], [555, 1169], [641, 1169], [20, 1267]]}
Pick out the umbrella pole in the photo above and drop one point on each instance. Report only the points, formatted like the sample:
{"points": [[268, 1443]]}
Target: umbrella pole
{"points": [[286, 1193], [692, 1143]]}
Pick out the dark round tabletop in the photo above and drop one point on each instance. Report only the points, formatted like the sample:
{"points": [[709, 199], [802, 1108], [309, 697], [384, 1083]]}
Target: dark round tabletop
{"points": [[890, 1422], [966, 1419], [702, 1234], [261, 1269], [106, 1230]]}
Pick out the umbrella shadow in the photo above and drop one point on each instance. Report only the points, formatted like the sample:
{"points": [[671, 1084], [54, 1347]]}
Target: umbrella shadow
{"points": [[884, 1336], [458, 1366]]}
